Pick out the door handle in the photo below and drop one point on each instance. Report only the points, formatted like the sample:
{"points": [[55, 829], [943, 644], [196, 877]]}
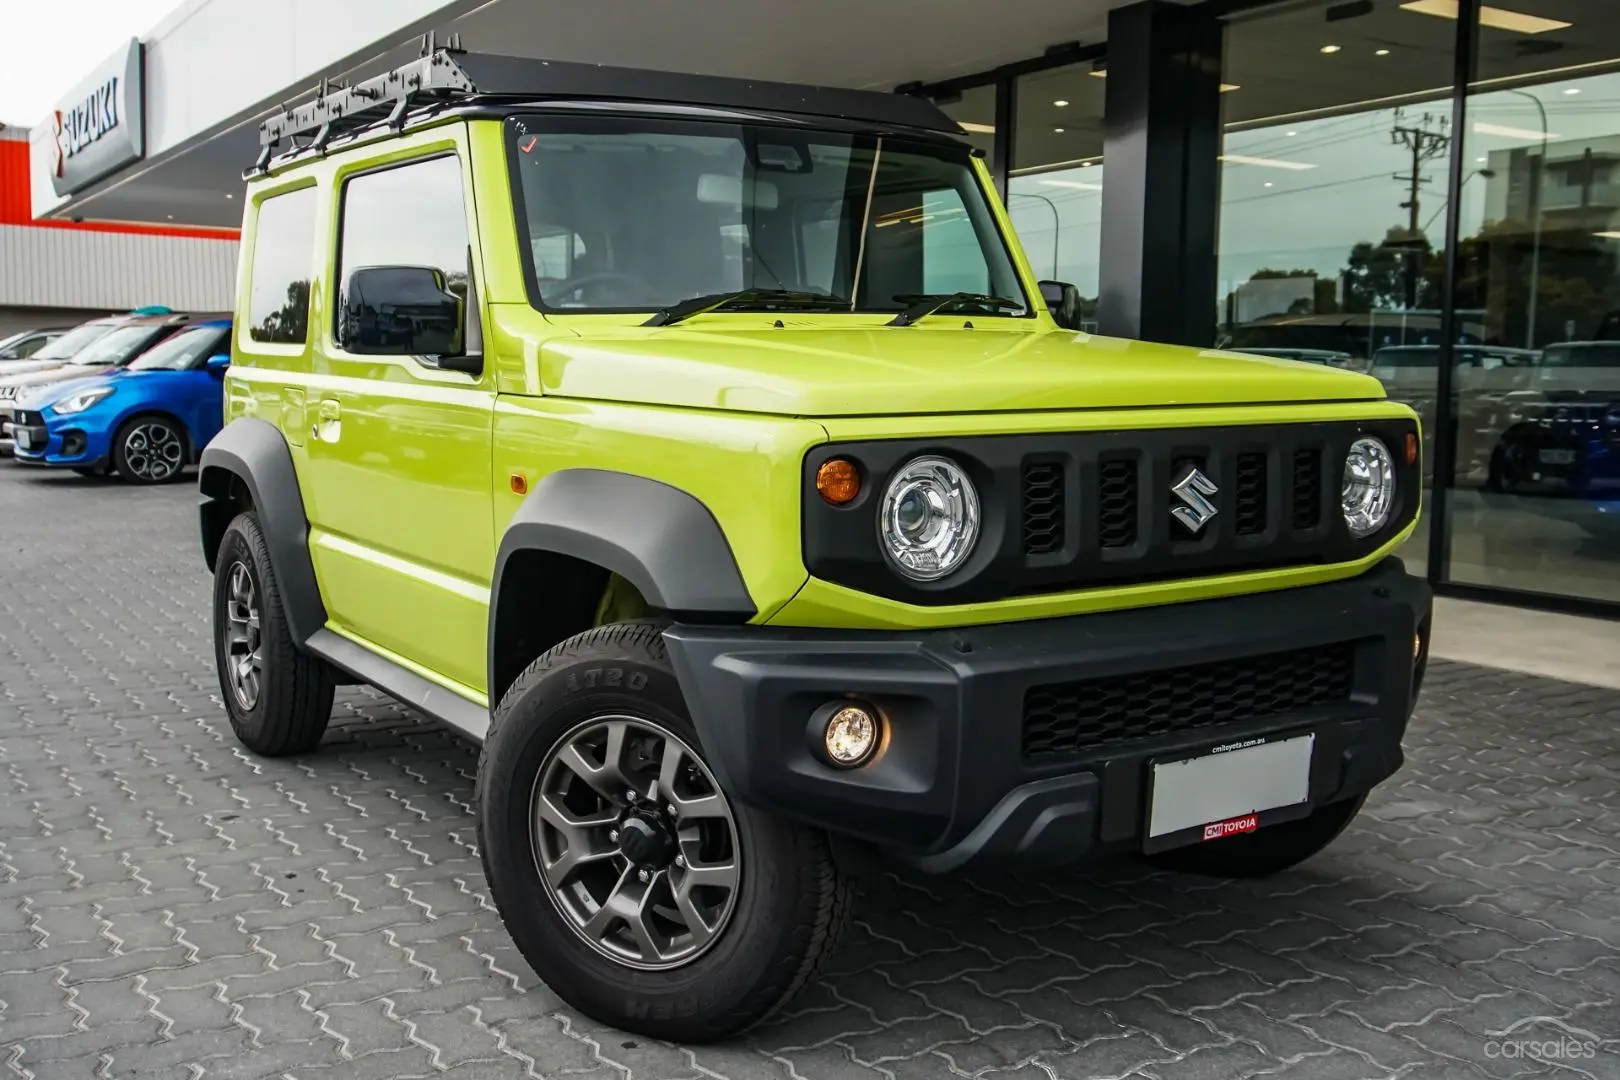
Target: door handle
{"points": [[329, 425]]}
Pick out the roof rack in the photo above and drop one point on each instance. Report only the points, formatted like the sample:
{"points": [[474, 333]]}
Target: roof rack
{"points": [[450, 76], [339, 108]]}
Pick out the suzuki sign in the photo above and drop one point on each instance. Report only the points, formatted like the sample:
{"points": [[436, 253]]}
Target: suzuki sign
{"points": [[100, 128]]}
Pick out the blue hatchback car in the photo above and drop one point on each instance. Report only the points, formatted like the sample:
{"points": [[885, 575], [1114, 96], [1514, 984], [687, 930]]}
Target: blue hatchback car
{"points": [[146, 421]]}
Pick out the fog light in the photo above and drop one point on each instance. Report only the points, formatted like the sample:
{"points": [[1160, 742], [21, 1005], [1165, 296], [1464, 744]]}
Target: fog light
{"points": [[852, 736]]}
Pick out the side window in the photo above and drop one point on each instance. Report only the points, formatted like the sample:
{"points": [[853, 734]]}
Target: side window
{"points": [[278, 309], [411, 215]]}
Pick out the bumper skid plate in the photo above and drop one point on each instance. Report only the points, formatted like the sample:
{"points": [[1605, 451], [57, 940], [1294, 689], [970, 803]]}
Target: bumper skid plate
{"points": [[1050, 741]]}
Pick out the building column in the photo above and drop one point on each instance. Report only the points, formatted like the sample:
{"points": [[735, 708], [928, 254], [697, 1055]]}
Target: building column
{"points": [[1161, 190]]}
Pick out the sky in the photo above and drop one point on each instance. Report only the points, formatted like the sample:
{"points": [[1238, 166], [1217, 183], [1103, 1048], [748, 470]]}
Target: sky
{"points": [[52, 44]]}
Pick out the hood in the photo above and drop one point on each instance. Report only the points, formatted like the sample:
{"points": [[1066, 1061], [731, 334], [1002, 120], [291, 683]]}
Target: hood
{"points": [[12, 368], [891, 371], [20, 385], [42, 395]]}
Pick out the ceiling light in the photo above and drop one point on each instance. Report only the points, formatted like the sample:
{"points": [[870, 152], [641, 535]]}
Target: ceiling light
{"points": [[1480, 160], [1573, 90], [1380, 52], [1608, 235], [1099, 73], [1227, 88], [1269, 163], [1057, 131], [1290, 134], [228, 195], [1512, 132], [1330, 49], [1268, 183], [1494, 17], [977, 129], [1060, 103], [1086, 164], [1079, 185]]}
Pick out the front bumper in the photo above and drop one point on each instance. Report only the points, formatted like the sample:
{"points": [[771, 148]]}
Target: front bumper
{"points": [[38, 440], [1031, 742]]}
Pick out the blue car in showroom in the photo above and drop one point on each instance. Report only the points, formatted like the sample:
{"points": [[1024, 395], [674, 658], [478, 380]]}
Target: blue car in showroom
{"points": [[145, 421]]}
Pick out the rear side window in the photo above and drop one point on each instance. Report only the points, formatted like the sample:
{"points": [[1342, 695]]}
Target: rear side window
{"points": [[278, 310]]}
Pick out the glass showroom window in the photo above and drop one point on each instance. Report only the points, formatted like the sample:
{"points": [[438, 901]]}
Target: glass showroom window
{"points": [[975, 110], [1334, 160], [1054, 194], [1535, 498]]}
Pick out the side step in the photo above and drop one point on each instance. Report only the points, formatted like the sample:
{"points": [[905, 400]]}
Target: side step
{"points": [[405, 686]]}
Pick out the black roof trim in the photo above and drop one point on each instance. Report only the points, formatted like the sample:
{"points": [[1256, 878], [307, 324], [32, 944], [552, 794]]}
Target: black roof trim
{"points": [[457, 79]]}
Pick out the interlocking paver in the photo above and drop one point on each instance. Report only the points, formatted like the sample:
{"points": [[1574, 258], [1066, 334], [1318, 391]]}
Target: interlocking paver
{"points": [[172, 906]]}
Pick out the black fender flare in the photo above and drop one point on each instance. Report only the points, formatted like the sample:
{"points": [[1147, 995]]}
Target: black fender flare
{"points": [[255, 454], [660, 539]]}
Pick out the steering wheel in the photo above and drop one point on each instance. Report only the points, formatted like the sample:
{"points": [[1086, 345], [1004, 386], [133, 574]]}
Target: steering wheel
{"points": [[568, 286]]}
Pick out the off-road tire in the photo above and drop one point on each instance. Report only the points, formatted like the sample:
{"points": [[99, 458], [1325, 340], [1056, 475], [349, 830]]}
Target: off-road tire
{"points": [[791, 905], [294, 702], [1266, 851]]}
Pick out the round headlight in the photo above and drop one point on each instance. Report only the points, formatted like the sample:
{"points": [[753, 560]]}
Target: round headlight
{"points": [[929, 518], [1368, 493]]}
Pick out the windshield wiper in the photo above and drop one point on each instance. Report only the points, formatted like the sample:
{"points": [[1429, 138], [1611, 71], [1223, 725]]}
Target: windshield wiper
{"points": [[698, 305], [928, 303]]}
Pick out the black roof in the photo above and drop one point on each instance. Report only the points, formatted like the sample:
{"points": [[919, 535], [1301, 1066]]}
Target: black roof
{"points": [[451, 78]]}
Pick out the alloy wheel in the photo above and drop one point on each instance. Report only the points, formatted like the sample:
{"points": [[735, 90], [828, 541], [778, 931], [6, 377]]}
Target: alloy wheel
{"points": [[635, 842], [244, 648], [153, 451]]}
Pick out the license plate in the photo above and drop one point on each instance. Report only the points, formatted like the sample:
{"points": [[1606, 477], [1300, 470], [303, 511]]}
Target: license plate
{"points": [[23, 440], [1228, 790], [1558, 457]]}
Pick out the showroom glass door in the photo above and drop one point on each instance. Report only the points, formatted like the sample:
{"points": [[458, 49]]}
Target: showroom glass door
{"points": [[1534, 496]]}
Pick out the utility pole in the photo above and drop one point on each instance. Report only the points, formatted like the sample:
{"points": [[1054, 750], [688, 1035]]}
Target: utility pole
{"points": [[1424, 143]]}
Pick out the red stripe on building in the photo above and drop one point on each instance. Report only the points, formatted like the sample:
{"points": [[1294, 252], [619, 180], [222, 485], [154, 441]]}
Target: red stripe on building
{"points": [[16, 206]]}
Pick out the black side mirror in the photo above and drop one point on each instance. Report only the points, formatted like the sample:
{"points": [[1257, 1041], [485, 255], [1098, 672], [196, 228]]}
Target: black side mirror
{"points": [[1063, 301], [405, 311]]}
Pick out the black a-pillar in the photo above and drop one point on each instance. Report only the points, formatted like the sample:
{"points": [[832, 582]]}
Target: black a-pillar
{"points": [[1161, 198]]}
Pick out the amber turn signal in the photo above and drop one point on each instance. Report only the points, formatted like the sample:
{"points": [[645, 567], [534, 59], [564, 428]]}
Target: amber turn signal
{"points": [[520, 484], [839, 481], [1411, 448]]}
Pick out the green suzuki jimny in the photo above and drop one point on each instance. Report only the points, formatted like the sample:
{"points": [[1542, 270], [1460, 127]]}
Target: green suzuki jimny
{"points": [[708, 451]]}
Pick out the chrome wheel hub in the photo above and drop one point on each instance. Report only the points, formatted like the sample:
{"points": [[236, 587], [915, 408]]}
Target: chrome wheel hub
{"points": [[635, 842], [154, 451], [244, 649]]}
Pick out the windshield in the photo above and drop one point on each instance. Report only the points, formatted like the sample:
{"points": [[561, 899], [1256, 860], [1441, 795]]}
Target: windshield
{"points": [[64, 347], [639, 214], [185, 351], [118, 346]]}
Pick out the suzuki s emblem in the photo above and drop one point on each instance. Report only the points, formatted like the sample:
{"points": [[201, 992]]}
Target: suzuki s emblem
{"points": [[1194, 489]]}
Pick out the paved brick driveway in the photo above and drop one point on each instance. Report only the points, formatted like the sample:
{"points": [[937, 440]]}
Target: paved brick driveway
{"points": [[170, 906]]}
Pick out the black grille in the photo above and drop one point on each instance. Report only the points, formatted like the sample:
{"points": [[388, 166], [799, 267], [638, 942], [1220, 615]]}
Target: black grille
{"points": [[1116, 502], [1043, 507], [29, 419], [1090, 509], [1251, 493], [1063, 718], [1307, 489]]}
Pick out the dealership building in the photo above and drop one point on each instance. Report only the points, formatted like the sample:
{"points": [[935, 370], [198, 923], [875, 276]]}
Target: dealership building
{"points": [[1436, 177]]}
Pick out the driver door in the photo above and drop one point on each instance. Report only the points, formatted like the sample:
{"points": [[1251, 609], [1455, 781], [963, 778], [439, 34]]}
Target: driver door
{"points": [[399, 447]]}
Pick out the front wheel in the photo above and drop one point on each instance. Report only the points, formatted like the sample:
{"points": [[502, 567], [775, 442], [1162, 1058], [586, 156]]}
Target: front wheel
{"points": [[642, 894], [1266, 851], [279, 698], [149, 450]]}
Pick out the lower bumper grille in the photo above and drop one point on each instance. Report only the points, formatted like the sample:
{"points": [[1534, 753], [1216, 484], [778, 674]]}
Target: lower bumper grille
{"points": [[1062, 718]]}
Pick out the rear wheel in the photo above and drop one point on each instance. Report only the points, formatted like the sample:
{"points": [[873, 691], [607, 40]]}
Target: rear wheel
{"points": [[1266, 851], [279, 698], [633, 885], [150, 450]]}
